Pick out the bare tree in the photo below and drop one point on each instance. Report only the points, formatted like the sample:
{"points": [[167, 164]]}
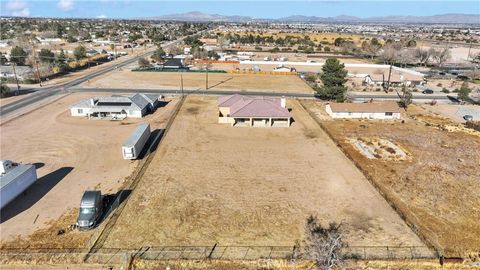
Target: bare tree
{"points": [[324, 245], [390, 54], [223, 42], [441, 56], [406, 56], [422, 55], [175, 50], [405, 97], [143, 62]]}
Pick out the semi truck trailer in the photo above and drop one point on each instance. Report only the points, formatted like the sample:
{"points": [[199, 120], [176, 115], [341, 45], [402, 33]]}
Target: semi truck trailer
{"points": [[14, 179], [132, 148]]}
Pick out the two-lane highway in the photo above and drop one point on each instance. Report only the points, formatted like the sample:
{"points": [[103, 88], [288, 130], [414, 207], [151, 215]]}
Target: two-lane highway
{"points": [[46, 92]]}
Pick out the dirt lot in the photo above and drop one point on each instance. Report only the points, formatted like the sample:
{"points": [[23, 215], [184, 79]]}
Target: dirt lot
{"points": [[454, 112], [437, 187], [72, 154], [213, 183], [196, 81]]}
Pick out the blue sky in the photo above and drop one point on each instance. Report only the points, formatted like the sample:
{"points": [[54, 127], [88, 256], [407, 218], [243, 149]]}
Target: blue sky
{"points": [[259, 9]]}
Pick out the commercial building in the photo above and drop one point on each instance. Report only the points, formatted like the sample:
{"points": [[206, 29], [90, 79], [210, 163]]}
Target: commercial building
{"points": [[381, 110], [116, 107], [239, 110]]}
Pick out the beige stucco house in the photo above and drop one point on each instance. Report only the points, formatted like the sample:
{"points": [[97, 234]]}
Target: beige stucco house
{"points": [[249, 111]]}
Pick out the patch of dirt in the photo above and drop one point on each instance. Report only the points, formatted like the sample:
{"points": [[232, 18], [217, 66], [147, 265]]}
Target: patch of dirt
{"points": [[437, 188], [376, 148], [58, 234], [212, 183]]}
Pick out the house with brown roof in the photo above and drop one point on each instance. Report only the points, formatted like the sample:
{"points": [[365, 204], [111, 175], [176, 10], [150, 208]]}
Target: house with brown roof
{"points": [[252, 111], [380, 110]]}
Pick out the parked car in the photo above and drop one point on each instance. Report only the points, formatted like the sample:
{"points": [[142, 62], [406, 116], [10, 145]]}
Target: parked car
{"points": [[468, 117], [427, 91], [91, 209]]}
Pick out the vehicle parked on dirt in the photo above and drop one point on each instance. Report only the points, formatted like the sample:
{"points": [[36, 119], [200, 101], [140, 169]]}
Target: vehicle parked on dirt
{"points": [[91, 209]]}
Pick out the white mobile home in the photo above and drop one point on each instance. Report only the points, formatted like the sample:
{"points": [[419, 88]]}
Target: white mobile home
{"points": [[383, 110], [116, 107]]}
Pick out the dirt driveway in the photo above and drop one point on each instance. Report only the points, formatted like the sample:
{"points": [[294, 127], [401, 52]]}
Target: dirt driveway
{"points": [[212, 183], [72, 155]]}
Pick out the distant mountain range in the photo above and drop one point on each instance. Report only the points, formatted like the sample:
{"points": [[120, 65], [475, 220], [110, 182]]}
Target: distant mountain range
{"points": [[196, 16]]}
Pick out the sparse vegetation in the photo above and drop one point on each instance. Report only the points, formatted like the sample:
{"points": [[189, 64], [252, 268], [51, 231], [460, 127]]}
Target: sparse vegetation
{"points": [[324, 244]]}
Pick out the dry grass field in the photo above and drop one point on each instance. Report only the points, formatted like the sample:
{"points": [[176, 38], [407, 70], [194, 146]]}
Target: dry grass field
{"points": [[316, 37], [196, 81], [74, 154], [300, 265], [211, 183], [438, 187]]}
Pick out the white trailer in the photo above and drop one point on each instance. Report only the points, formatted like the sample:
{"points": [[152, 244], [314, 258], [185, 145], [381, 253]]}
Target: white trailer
{"points": [[15, 179], [132, 148]]}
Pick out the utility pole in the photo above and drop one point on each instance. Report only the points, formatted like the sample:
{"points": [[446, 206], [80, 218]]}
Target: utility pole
{"points": [[16, 79], [206, 77], [181, 83], [469, 49], [38, 72], [388, 81], [35, 60]]}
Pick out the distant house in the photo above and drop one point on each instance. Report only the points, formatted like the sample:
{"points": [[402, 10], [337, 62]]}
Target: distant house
{"points": [[4, 43], [174, 63], [248, 111], [46, 41], [92, 52], [395, 79], [381, 110], [116, 107], [23, 72], [209, 41]]}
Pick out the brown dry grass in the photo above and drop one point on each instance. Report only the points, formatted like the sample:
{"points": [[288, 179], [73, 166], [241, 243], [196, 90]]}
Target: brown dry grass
{"points": [[51, 136], [210, 183], [196, 81], [299, 265], [48, 236], [330, 37], [437, 189]]}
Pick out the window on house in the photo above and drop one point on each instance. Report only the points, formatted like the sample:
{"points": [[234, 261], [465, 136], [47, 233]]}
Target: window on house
{"points": [[388, 113], [80, 110]]}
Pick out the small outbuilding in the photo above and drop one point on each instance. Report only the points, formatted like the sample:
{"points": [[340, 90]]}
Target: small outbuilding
{"points": [[116, 107], [250, 111], [380, 110]]}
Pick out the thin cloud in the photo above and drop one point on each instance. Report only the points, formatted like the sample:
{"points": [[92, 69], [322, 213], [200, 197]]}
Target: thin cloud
{"points": [[21, 13], [102, 16], [18, 8], [65, 5]]}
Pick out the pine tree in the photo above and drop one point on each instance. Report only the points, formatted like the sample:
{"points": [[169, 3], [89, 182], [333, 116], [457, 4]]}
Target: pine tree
{"points": [[333, 78]]}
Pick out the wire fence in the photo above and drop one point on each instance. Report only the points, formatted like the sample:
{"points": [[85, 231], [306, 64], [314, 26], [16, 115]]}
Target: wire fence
{"points": [[116, 256]]}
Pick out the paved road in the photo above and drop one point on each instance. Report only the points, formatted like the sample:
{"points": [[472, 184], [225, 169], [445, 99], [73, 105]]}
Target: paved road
{"points": [[358, 96], [43, 93], [217, 92]]}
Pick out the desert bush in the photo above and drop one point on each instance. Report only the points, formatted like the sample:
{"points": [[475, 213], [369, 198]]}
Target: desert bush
{"points": [[323, 245]]}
